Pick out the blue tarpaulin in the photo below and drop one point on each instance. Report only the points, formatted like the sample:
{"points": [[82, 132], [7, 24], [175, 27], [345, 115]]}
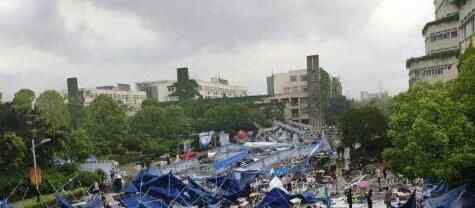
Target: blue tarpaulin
{"points": [[199, 195], [459, 197], [95, 202], [62, 202], [276, 198], [235, 185], [434, 190], [221, 165], [141, 201], [4, 204], [279, 172], [411, 203]]}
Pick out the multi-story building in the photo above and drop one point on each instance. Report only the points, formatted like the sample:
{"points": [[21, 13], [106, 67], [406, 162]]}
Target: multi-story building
{"points": [[162, 91], [445, 38], [292, 89], [158, 90], [122, 94]]}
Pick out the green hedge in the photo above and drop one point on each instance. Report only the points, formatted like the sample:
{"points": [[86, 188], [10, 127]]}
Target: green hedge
{"points": [[49, 200]]}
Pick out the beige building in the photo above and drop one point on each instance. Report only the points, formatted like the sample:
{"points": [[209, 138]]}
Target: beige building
{"points": [[215, 88], [445, 38], [291, 89], [122, 94]]}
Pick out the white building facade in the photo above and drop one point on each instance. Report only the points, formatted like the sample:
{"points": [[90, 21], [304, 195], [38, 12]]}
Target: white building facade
{"points": [[445, 39], [132, 99], [215, 88]]}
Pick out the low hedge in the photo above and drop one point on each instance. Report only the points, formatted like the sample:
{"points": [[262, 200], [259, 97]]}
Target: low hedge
{"points": [[50, 200]]}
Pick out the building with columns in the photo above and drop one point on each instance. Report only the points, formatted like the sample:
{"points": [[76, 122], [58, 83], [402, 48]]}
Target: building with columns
{"points": [[445, 39]]}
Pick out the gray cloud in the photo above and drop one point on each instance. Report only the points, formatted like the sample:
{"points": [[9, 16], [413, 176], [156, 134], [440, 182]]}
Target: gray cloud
{"points": [[108, 41]]}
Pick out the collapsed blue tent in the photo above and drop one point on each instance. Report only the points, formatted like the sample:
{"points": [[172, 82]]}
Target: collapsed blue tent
{"points": [[411, 203], [434, 190], [62, 202], [276, 198], [141, 201], [4, 204], [199, 195], [221, 165], [94, 202], [459, 197], [235, 185]]}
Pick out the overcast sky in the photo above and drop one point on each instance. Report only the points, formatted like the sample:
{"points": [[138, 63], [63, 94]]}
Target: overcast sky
{"points": [[364, 42]]}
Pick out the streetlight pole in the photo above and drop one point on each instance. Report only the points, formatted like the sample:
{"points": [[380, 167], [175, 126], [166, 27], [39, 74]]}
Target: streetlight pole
{"points": [[35, 166]]}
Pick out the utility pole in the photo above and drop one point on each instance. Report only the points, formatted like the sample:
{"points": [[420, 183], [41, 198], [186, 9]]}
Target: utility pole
{"points": [[35, 166]]}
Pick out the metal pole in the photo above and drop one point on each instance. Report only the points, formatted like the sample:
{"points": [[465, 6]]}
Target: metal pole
{"points": [[35, 171]]}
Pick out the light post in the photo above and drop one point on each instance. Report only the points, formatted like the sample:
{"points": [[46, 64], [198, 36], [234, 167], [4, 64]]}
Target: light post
{"points": [[35, 166]]}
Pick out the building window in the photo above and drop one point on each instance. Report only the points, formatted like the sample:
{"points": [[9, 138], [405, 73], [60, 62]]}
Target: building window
{"points": [[303, 78], [293, 78]]}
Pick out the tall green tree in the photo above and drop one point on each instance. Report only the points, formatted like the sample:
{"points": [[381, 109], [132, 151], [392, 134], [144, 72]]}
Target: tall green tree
{"points": [[50, 104], [79, 146], [106, 124], [14, 152], [464, 89], [366, 126], [23, 100], [186, 89], [432, 135], [338, 105]]}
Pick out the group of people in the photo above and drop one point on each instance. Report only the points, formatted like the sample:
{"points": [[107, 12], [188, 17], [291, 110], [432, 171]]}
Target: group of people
{"points": [[368, 196]]}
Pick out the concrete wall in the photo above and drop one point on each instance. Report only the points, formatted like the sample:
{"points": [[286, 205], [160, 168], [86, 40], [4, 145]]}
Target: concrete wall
{"points": [[438, 45], [444, 8], [416, 71]]}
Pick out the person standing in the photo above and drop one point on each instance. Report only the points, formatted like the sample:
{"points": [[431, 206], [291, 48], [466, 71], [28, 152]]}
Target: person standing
{"points": [[349, 198], [387, 198], [379, 175], [369, 199]]}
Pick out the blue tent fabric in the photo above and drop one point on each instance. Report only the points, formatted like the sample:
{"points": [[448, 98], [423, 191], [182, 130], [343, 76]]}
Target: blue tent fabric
{"points": [[221, 165], [199, 195], [62, 202], [309, 198], [448, 200], [4, 204], [233, 186], [276, 198], [411, 203], [94, 202], [141, 201]]}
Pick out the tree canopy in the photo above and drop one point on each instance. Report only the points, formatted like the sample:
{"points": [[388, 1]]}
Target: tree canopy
{"points": [[365, 126], [50, 104], [23, 100], [106, 124]]}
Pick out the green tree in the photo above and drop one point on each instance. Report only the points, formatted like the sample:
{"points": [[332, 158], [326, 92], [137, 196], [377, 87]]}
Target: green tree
{"points": [[23, 101], [464, 89], [337, 107], [366, 126], [50, 104], [186, 89], [432, 136], [14, 151], [106, 124], [325, 91], [228, 117]]}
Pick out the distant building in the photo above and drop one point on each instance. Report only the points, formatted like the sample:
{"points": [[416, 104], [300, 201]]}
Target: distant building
{"points": [[367, 96], [217, 87], [300, 92], [73, 91], [314, 92], [445, 38], [120, 93]]}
